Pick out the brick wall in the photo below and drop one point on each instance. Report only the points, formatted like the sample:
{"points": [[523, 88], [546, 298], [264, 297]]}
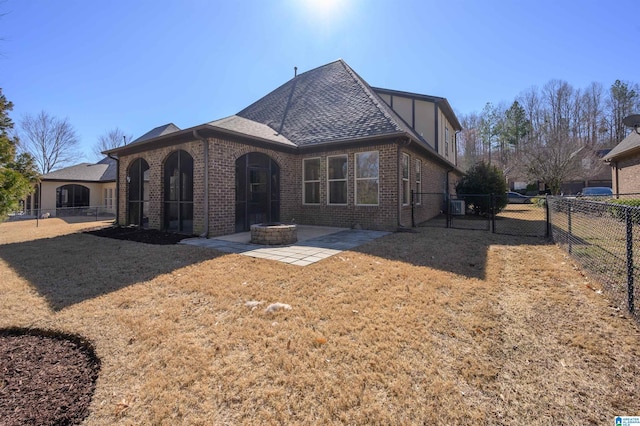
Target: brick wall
{"points": [[223, 155], [628, 175]]}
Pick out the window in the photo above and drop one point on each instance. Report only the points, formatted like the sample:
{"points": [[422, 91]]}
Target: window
{"points": [[405, 180], [337, 179], [108, 198], [418, 195], [446, 141], [178, 192], [367, 184], [138, 189], [311, 184]]}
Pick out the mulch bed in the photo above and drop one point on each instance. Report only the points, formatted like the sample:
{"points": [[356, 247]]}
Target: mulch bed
{"points": [[46, 378], [148, 236]]}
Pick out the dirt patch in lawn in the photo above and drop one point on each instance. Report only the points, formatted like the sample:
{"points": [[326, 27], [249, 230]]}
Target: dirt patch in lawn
{"points": [[47, 378]]}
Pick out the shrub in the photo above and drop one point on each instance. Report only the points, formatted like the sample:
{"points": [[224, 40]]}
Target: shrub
{"points": [[619, 212], [483, 179]]}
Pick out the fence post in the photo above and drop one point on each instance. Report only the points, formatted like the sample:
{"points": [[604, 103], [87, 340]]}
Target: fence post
{"points": [[447, 206], [548, 216], [629, 221], [492, 212], [569, 208], [413, 218]]}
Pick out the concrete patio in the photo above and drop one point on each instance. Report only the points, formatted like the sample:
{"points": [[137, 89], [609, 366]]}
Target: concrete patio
{"points": [[314, 244]]}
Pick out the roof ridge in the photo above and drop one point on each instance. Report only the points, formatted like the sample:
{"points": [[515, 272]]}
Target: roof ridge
{"points": [[377, 101]]}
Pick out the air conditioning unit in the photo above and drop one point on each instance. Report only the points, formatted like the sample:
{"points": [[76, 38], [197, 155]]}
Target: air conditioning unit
{"points": [[457, 207]]}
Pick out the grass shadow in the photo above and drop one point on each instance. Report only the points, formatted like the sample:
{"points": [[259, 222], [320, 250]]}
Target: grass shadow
{"points": [[461, 252], [73, 268]]}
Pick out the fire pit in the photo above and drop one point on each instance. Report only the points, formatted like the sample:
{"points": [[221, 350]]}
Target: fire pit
{"points": [[273, 234]]}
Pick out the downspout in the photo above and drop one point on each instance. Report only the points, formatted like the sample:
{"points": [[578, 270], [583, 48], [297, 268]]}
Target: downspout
{"points": [[205, 143], [117, 187], [617, 181]]}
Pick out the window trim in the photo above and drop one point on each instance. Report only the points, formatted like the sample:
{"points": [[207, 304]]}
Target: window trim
{"points": [[357, 179], [405, 173], [345, 180], [304, 181]]}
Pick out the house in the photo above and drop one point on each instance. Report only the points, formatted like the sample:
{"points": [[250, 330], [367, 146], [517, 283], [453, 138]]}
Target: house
{"points": [[325, 148], [624, 160], [77, 190]]}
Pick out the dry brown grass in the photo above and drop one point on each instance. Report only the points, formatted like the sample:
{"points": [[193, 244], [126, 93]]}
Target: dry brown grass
{"points": [[437, 327]]}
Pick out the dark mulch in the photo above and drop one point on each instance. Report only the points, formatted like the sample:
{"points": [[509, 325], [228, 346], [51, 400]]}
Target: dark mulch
{"points": [[46, 378], [149, 236]]}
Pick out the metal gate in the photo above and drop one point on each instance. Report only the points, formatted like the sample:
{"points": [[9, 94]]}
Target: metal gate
{"points": [[526, 216]]}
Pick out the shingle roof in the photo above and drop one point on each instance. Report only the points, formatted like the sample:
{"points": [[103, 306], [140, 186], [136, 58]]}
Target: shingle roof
{"points": [[628, 144], [251, 128], [103, 171], [326, 104], [158, 131]]}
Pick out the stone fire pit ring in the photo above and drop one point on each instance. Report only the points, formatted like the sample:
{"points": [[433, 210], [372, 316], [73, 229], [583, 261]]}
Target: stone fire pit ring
{"points": [[274, 234]]}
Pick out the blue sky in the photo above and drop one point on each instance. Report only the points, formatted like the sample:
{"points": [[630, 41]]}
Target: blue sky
{"points": [[140, 64]]}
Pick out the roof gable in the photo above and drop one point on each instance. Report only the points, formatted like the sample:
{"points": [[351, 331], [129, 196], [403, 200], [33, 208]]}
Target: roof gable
{"points": [[626, 146], [329, 103], [158, 131]]}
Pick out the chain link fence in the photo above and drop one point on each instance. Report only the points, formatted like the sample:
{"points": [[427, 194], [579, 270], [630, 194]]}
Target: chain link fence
{"points": [[603, 235], [68, 214]]}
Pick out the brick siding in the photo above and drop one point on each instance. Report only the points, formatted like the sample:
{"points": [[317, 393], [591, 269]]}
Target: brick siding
{"points": [[223, 155]]}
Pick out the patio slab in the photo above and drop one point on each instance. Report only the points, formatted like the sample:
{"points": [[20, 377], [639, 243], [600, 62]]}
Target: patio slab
{"points": [[315, 243]]}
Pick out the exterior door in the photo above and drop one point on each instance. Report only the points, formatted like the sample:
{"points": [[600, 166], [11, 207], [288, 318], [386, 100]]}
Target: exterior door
{"points": [[257, 190]]}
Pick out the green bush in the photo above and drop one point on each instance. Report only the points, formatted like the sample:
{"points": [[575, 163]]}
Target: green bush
{"points": [[483, 179], [619, 212]]}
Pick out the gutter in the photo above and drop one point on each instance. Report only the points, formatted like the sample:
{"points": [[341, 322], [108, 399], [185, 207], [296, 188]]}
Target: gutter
{"points": [[117, 187], [205, 143]]}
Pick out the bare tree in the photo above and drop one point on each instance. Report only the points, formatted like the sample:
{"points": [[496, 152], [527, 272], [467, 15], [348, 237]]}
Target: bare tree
{"points": [[51, 141], [113, 138]]}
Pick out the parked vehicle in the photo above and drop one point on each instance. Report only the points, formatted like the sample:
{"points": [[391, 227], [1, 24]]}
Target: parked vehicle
{"points": [[596, 191], [516, 198]]}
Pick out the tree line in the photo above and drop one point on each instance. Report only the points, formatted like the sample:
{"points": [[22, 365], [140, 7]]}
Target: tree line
{"points": [[551, 134]]}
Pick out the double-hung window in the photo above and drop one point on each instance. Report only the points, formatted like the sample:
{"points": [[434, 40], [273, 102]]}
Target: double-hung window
{"points": [[337, 179], [418, 195], [405, 180], [367, 182], [311, 184]]}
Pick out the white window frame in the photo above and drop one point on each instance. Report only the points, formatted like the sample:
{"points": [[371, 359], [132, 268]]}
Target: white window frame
{"points": [[418, 197], [345, 180], [359, 179], [317, 181], [406, 188]]}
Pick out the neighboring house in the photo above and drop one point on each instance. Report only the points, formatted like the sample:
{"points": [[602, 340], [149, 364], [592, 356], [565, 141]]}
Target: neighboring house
{"points": [[77, 190], [624, 160], [324, 148], [598, 174]]}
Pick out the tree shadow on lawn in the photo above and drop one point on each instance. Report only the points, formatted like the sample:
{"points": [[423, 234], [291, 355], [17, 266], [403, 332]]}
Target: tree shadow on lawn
{"points": [[462, 252], [73, 268]]}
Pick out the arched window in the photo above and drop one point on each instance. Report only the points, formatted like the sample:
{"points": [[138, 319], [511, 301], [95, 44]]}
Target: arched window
{"points": [[70, 199], [138, 198], [178, 192], [257, 190]]}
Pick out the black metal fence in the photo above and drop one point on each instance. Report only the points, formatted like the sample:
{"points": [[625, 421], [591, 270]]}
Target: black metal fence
{"points": [[69, 214], [487, 212], [603, 235]]}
